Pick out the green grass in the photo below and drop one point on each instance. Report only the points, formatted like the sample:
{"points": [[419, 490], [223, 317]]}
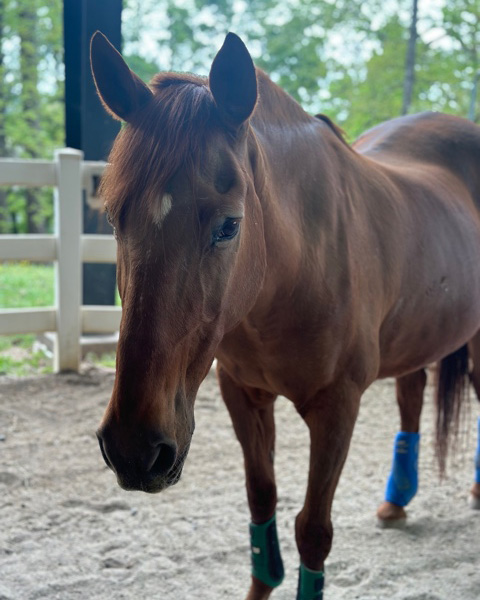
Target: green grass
{"points": [[18, 357], [25, 285]]}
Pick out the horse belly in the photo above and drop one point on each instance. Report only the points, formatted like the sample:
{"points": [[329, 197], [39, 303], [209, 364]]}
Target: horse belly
{"points": [[437, 308], [437, 322]]}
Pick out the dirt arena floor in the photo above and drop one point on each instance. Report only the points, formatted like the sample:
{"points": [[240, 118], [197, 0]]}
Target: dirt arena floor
{"points": [[67, 531]]}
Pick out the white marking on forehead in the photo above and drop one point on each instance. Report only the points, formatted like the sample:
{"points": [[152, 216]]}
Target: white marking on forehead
{"points": [[161, 208]]}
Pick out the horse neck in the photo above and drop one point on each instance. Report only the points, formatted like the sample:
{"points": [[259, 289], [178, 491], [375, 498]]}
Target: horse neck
{"points": [[303, 167], [298, 150], [275, 107]]}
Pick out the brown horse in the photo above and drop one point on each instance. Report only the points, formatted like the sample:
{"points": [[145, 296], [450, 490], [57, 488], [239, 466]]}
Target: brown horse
{"points": [[250, 231], [452, 381]]}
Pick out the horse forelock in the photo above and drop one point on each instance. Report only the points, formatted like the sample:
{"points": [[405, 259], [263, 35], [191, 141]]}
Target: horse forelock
{"points": [[168, 134]]}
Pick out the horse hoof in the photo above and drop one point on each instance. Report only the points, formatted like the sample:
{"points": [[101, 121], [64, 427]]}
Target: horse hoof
{"points": [[391, 516], [391, 523], [474, 502]]}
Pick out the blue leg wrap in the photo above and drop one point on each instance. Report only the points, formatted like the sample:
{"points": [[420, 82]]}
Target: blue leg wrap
{"points": [[310, 584], [267, 565], [403, 481], [477, 456]]}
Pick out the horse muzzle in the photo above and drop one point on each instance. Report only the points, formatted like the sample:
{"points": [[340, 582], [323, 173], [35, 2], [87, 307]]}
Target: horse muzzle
{"points": [[149, 466]]}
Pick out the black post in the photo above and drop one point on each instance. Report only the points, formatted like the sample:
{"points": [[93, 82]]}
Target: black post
{"points": [[88, 127]]}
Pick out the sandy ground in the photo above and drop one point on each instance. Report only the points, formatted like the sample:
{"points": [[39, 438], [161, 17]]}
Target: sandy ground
{"points": [[67, 531]]}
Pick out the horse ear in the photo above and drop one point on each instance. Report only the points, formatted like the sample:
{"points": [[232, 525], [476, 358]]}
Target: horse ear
{"points": [[121, 91], [233, 81]]}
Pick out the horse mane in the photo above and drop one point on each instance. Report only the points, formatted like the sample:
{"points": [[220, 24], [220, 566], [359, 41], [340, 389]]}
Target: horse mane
{"points": [[338, 131], [170, 132]]}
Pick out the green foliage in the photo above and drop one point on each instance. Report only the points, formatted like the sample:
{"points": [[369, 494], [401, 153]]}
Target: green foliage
{"points": [[461, 21], [345, 58], [31, 102], [375, 93]]}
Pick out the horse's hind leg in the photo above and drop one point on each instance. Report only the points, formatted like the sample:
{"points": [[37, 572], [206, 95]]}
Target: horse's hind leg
{"points": [[474, 352], [252, 416], [403, 480]]}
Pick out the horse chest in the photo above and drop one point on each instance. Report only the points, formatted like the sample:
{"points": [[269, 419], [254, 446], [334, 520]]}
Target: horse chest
{"points": [[291, 365]]}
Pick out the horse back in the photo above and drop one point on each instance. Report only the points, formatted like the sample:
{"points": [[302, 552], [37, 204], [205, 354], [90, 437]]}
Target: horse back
{"points": [[430, 138]]}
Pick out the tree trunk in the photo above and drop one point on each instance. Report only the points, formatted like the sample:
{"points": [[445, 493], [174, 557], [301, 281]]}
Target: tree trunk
{"points": [[27, 19], [4, 225], [409, 78]]}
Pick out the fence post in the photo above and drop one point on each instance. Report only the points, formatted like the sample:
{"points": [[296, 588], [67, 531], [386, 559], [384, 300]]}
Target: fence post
{"points": [[68, 267]]}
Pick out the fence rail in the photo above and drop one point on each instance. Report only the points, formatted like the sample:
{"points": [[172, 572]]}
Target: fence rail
{"points": [[67, 248]]}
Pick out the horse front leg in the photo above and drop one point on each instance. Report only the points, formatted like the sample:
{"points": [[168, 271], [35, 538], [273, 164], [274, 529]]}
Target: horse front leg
{"points": [[251, 411], [330, 419], [402, 483]]}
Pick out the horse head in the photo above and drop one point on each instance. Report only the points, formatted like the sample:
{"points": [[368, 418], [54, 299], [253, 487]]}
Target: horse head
{"points": [[180, 191]]}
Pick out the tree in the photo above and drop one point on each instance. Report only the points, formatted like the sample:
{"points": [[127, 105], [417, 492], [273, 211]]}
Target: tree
{"points": [[461, 22], [409, 78], [472, 114], [3, 106], [32, 123], [374, 93], [288, 40], [29, 102]]}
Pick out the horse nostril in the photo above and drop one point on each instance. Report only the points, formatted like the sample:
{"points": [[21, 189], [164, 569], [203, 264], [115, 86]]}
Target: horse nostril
{"points": [[152, 455], [162, 458], [104, 454]]}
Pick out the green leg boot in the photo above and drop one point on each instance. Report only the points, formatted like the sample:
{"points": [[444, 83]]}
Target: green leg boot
{"points": [[310, 584], [267, 565]]}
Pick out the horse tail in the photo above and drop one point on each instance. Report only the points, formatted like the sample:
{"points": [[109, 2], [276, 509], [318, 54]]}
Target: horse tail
{"points": [[451, 390]]}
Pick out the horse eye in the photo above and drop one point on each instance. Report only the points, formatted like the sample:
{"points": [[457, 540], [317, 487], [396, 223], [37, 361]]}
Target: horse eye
{"points": [[227, 231]]}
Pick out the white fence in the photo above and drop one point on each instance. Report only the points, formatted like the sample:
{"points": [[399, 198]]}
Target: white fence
{"points": [[69, 174]]}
